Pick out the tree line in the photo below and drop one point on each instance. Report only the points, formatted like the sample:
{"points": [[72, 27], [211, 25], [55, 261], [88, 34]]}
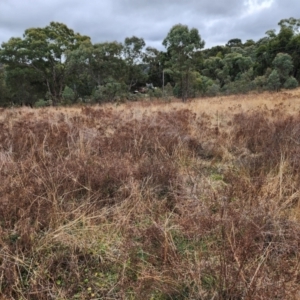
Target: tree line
{"points": [[55, 65]]}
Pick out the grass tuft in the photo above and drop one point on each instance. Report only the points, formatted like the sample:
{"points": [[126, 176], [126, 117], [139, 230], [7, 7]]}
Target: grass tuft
{"points": [[152, 200]]}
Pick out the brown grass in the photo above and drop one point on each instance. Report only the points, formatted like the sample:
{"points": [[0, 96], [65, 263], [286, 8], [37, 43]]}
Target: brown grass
{"points": [[152, 200]]}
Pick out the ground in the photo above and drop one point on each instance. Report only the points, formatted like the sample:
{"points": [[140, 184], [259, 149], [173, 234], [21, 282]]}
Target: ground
{"points": [[152, 200]]}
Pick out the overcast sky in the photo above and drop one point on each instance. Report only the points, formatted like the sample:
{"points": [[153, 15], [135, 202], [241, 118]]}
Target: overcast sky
{"points": [[109, 20]]}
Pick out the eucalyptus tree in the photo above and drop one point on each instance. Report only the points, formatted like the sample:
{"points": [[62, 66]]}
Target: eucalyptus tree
{"points": [[213, 68], [24, 86], [182, 43], [96, 65], [155, 68], [106, 62], [237, 64], [133, 54], [234, 43], [273, 82], [4, 94], [283, 64], [43, 50], [291, 27], [287, 40], [281, 73]]}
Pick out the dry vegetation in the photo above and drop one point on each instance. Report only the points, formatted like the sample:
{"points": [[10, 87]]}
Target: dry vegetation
{"points": [[152, 200]]}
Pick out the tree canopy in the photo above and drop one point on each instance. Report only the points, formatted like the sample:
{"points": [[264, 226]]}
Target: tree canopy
{"points": [[44, 50], [55, 63], [183, 43]]}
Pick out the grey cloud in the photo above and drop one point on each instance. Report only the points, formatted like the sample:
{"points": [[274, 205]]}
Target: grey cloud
{"points": [[166, 7], [109, 20]]}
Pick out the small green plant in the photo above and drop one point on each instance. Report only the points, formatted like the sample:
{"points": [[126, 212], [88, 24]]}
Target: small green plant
{"points": [[273, 82], [168, 91], [157, 93], [68, 95], [291, 83], [41, 103], [217, 177], [213, 90]]}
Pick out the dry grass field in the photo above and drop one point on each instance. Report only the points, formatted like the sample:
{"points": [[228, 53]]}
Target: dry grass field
{"points": [[152, 200]]}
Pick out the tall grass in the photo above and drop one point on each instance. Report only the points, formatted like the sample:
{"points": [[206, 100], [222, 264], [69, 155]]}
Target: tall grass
{"points": [[151, 200]]}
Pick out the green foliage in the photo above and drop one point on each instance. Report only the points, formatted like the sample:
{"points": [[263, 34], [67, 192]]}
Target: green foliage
{"points": [[168, 90], [68, 95], [236, 64], [96, 64], [43, 50], [177, 91], [111, 91], [213, 90], [153, 59], [133, 56], [182, 44], [41, 103], [4, 92], [157, 92], [132, 97], [283, 64], [23, 85], [212, 67], [132, 50], [291, 83], [260, 82], [242, 84], [249, 43], [216, 51], [234, 43], [67, 66], [273, 82], [206, 83], [195, 86]]}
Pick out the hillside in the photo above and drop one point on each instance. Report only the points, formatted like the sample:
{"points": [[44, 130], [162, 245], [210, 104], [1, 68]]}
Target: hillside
{"points": [[152, 200]]}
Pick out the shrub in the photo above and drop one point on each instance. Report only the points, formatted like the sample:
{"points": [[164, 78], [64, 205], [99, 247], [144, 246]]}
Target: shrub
{"points": [[157, 92], [41, 103], [109, 91], [68, 95], [136, 203], [213, 90], [177, 92], [260, 82], [291, 83], [168, 90], [273, 82]]}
